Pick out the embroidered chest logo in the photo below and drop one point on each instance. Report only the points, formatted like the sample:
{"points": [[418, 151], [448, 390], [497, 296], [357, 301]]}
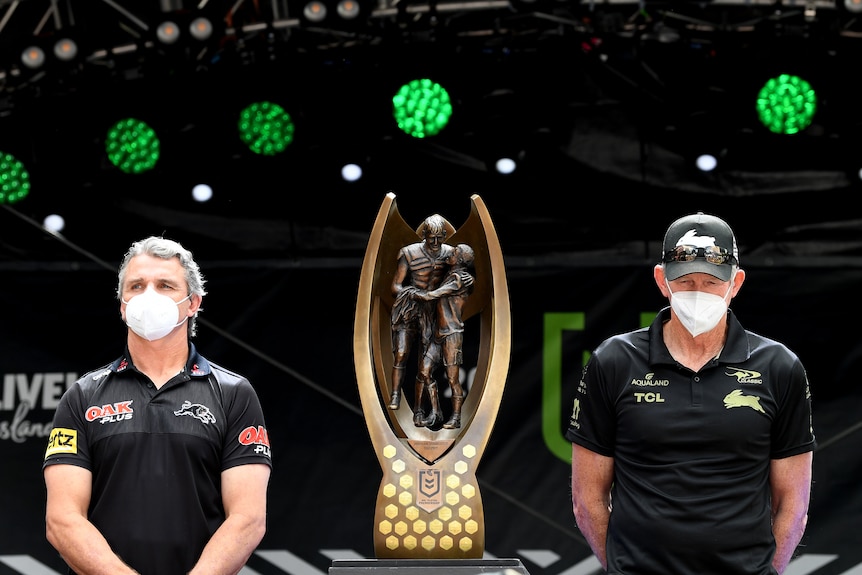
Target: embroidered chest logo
{"points": [[737, 399], [110, 412], [196, 410], [744, 375]]}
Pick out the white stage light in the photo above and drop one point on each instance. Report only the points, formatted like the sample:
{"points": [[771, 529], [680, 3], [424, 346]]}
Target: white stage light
{"points": [[348, 9], [54, 223], [506, 165], [65, 49], [315, 11], [167, 32], [201, 29], [202, 193], [33, 57], [706, 162], [351, 172]]}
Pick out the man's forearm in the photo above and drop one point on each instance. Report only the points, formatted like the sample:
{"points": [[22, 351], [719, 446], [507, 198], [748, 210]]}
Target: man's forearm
{"points": [[85, 550], [592, 521], [230, 546], [788, 530]]}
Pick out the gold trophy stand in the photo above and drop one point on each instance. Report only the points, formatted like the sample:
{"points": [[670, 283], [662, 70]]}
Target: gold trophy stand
{"points": [[429, 513]]}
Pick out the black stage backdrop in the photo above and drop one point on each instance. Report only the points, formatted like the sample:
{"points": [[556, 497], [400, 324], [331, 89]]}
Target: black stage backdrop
{"points": [[289, 328]]}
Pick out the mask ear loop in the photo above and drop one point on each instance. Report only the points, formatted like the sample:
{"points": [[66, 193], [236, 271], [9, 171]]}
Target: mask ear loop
{"points": [[667, 285], [730, 287]]}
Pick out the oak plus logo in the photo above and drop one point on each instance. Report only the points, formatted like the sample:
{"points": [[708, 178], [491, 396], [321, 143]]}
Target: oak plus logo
{"points": [[110, 412], [256, 436], [24, 397]]}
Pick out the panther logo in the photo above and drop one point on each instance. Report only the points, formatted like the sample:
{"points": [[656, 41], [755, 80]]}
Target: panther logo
{"points": [[196, 410]]}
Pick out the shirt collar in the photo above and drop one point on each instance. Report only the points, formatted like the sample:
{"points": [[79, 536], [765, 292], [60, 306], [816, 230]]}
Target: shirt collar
{"points": [[736, 349]]}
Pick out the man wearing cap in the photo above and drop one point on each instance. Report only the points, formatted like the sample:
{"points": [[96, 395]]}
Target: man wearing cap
{"points": [[692, 439]]}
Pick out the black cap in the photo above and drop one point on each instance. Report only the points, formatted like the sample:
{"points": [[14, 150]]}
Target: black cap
{"points": [[699, 231]]}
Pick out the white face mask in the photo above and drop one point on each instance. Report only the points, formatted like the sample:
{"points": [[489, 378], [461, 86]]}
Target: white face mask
{"points": [[698, 311], [152, 316]]}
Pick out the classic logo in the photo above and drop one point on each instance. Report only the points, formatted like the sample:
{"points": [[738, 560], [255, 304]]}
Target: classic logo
{"points": [[62, 440], [110, 412], [744, 375], [196, 410], [736, 399]]}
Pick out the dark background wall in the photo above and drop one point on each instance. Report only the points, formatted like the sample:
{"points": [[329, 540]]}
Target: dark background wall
{"points": [[601, 112], [291, 332]]}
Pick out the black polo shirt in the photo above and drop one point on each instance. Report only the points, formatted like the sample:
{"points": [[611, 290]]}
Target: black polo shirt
{"points": [[157, 455], [691, 449]]}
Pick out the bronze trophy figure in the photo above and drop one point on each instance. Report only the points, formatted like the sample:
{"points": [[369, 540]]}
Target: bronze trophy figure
{"points": [[443, 340], [418, 289]]}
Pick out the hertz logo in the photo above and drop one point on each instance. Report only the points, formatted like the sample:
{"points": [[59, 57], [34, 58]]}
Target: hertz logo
{"points": [[62, 440]]}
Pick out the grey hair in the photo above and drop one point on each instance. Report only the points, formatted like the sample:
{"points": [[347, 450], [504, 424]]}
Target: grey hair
{"points": [[166, 249]]}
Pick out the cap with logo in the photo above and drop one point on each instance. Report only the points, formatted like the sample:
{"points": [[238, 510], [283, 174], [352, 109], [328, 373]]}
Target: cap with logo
{"points": [[699, 243]]}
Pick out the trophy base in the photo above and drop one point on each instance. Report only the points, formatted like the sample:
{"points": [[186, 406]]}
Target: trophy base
{"points": [[427, 566]]}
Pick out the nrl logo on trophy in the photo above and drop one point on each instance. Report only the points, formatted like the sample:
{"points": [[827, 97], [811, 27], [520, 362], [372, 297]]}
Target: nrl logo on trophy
{"points": [[425, 291]]}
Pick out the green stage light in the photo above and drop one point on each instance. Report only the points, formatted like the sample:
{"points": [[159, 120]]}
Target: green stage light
{"points": [[266, 128], [786, 104], [421, 108], [132, 146], [14, 179]]}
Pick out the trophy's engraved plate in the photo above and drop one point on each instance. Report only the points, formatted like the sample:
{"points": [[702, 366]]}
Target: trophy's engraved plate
{"points": [[429, 505]]}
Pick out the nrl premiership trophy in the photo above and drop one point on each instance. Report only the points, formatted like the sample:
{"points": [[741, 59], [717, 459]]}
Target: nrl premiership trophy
{"points": [[418, 288]]}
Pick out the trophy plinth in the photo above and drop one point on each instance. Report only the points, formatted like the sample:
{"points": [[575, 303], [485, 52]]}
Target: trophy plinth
{"points": [[427, 567], [418, 290]]}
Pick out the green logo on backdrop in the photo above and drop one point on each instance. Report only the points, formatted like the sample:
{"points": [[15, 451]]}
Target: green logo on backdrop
{"points": [[552, 376]]}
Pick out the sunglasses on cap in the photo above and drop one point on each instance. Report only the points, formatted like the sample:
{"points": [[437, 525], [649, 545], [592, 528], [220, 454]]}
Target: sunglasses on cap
{"points": [[712, 254]]}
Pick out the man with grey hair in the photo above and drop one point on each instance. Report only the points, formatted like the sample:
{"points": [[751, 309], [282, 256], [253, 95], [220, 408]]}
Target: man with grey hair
{"points": [[692, 439], [158, 462]]}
